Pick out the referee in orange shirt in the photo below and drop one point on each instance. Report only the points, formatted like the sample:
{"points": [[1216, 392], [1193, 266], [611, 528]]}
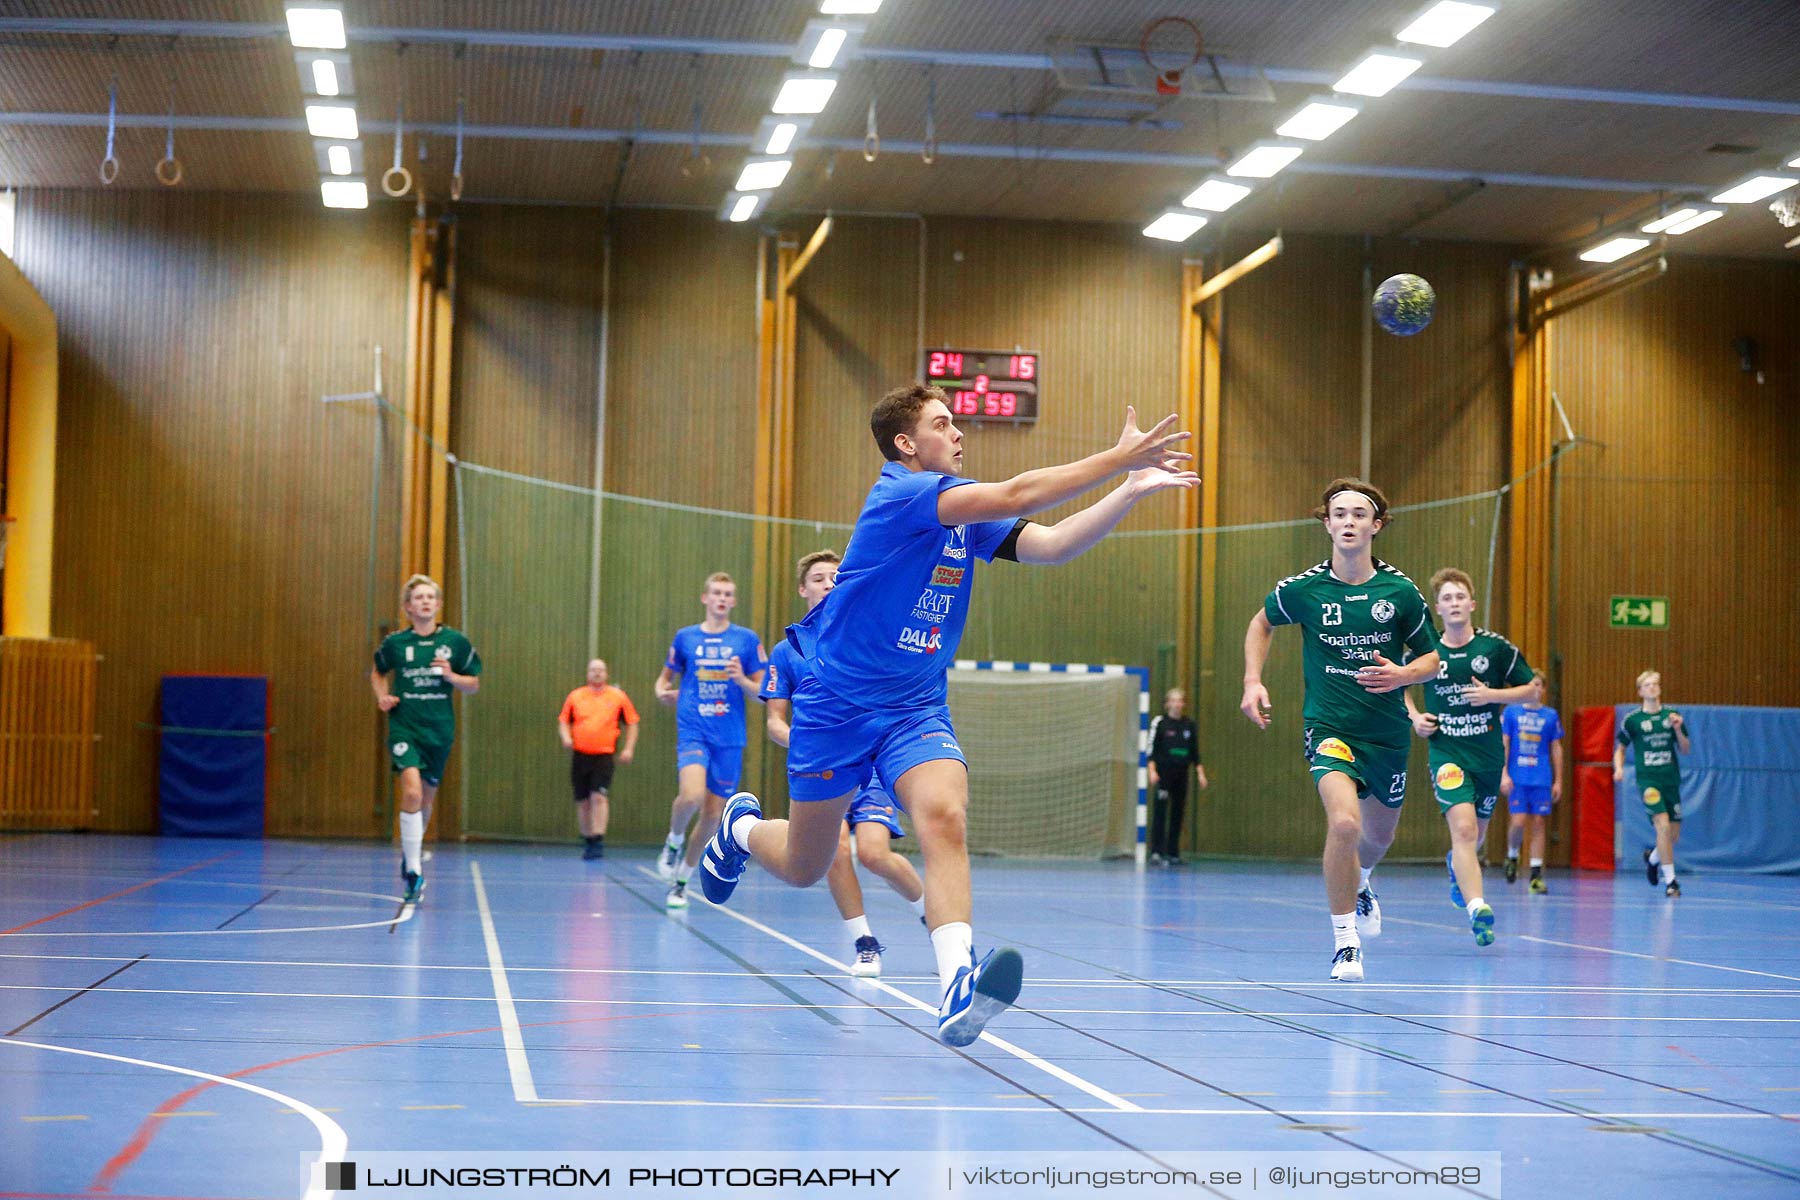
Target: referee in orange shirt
{"points": [[589, 727]]}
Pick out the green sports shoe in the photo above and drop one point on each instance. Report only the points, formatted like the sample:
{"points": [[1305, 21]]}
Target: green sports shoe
{"points": [[1512, 868], [1538, 885], [1481, 922]]}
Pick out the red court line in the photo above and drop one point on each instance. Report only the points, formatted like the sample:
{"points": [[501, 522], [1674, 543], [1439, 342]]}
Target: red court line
{"points": [[152, 1125], [114, 896]]}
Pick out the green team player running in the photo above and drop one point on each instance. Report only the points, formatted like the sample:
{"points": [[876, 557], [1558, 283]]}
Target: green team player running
{"points": [[1479, 674], [1658, 738], [1359, 616], [429, 661]]}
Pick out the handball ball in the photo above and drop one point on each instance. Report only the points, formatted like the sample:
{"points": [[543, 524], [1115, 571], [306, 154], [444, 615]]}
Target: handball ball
{"points": [[1404, 304]]}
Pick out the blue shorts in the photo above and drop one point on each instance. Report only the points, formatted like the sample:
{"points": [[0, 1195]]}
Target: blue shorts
{"points": [[724, 764], [1533, 798], [873, 806], [837, 747]]}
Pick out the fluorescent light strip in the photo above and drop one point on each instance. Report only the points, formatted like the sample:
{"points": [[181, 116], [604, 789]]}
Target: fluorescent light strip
{"points": [[1703, 217], [826, 52], [804, 94], [781, 138], [1615, 249], [1318, 120], [1263, 160], [1377, 73], [1758, 187], [1674, 218], [744, 209], [849, 8], [344, 193], [1216, 195], [339, 158], [334, 121], [764, 174], [1175, 226], [316, 27], [325, 80], [1445, 23]]}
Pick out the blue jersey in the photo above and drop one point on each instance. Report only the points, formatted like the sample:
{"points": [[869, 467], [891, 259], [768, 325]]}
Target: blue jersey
{"points": [[1529, 732], [786, 671], [712, 705], [889, 629]]}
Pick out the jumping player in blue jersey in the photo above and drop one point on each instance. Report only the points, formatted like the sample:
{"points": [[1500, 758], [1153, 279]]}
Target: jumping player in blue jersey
{"points": [[873, 820], [879, 646], [711, 668]]}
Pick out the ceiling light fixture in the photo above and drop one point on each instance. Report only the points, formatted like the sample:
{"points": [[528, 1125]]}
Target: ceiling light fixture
{"points": [[804, 92], [849, 8], [1377, 73], [1757, 187], [1264, 159], [316, 26], [1614, 249], [1216, 195], [742, 206], [763, 174], [344, 193], [1664, 222], [335, 121], [1175, 226], [1445, 23], [1322, 117], [1705, 216]]}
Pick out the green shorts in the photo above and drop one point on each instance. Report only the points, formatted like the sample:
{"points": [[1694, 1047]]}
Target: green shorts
{"points": [[1379, 771], [1662, 798], [428, 758], [1453, 783]]}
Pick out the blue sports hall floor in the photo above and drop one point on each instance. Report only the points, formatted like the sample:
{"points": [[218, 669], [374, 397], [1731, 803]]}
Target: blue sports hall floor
{"points": [[190, 1018]]}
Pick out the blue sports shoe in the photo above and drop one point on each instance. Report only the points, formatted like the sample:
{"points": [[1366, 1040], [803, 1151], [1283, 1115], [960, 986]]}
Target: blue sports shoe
{"points": [[980, 992], [722, 862], [1481, 924], [1456, 896]]}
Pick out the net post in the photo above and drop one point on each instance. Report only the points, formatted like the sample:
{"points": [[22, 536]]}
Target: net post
{"points": [[1139, 849]]}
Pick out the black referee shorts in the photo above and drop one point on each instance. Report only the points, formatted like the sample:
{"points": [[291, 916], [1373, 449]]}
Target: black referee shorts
{"points": [[590, 773]]}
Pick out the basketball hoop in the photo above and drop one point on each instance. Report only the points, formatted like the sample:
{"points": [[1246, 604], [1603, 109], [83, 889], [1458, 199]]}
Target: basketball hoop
{"points": [[1170, 45]]}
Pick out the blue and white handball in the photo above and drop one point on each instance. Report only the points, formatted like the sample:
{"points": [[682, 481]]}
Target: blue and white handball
{"points": [[1404, 304]]}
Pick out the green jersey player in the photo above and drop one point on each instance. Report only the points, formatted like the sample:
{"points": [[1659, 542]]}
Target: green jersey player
{"points": [[1361, 619], [428, 661], [1658, 738], [1479, 674]]}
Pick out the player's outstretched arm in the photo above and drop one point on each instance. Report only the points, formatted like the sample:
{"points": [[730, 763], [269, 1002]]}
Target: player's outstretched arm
{"points": [[1046, 487], [1257, 640], [1074, 535]]}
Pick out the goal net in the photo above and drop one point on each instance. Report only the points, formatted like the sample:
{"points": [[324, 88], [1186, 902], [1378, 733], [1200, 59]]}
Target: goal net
{"points": [[1055, 756]]}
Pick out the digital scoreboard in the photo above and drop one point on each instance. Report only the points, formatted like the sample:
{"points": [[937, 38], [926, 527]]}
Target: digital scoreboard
{"points": [[987, 385]]}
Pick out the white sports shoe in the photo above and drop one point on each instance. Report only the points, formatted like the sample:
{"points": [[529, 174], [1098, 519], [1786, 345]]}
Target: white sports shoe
{"points": [[1347, 967], [868, 958], [668, 860], [1368, 915]]}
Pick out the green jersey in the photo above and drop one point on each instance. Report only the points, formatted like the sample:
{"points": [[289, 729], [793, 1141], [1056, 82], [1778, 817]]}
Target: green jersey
{"points": [[1469, 734], [1346, 625], [1652, 743], [424, 712]]}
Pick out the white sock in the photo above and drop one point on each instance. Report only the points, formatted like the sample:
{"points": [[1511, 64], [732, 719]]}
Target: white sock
{"points": [[1666, 871], [1655, 859], [918, 905], [859, 927], [953, 943], [682, 871], [1343, 930], [1537, 864], [1515, 841], [675, 842], [1366, 872], [412, 839], [1474, 904]]}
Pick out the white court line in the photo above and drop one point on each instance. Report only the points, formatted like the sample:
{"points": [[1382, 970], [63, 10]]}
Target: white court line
{"points": [[405, 916], [1686, 962], [1531, 1115], [1181, 1014], [517, 1065], [1085, 983], [1118, 1103], [333, 1142]]}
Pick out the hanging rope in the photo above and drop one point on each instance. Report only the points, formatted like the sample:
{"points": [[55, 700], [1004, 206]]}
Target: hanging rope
{"points": [[928, 152], [109, 166], [871, 139], [697, 164], [456, 174], [169, 171], [396, 181]]}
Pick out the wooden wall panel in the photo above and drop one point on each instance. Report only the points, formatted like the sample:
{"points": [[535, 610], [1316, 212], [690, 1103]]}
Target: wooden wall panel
{"points": [[1690, 493], [213, 514]]}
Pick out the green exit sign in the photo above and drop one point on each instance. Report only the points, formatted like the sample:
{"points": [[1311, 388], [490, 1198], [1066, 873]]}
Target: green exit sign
{"points": [[1639, 612]]}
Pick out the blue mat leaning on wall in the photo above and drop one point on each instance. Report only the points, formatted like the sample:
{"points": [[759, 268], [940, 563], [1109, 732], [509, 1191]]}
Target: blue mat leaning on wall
{"points": [[1740, 792]]}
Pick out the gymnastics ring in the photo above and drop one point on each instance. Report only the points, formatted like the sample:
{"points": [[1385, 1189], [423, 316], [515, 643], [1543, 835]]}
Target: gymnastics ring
{"points": [[171, 176], [871, 147], [405, 182], [456, 182], [109, 169]]}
